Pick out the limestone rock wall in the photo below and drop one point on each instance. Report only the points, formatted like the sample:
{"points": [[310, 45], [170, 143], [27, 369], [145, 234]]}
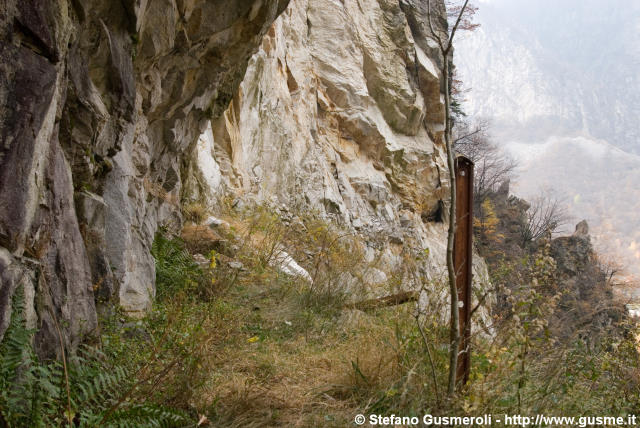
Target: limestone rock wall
{"points": [[341, 110], [113, 113], [101, 103]]}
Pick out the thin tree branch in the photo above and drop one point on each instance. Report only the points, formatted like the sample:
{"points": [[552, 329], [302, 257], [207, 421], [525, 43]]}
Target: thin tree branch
{"points": [[455, 27]]}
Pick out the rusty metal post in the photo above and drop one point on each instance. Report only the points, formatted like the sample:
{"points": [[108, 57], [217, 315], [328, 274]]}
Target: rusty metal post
{"points": [[462, 261]]}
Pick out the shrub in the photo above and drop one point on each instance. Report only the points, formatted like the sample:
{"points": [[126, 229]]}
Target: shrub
{"points": [[176, 270], [83, 390]]}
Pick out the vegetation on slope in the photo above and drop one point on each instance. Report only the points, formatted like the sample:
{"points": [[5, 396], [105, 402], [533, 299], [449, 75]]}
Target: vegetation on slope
{"points": [[234, 342]]}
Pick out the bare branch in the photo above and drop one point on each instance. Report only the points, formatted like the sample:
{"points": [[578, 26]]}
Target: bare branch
{"points": [[546, 214], [455, 27], [493, 165], [462, 138]]}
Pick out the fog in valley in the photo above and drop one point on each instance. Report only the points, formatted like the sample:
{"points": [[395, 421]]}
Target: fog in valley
{"points": [[559, 84]]}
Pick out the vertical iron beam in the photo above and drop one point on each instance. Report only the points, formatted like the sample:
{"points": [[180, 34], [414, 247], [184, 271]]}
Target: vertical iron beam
{"points": [[463, 261]]}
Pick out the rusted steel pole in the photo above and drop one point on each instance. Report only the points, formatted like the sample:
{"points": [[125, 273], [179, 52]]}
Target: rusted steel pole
{"points": [[463, 261]]}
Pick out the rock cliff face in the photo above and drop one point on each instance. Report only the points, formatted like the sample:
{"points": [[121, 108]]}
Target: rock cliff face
{"points": [[336, 107], [578, 265], [340, 111], [99, 103]]}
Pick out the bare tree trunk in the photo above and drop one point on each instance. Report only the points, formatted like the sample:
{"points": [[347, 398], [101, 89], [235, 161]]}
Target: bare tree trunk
{"points": [[454, 329]]}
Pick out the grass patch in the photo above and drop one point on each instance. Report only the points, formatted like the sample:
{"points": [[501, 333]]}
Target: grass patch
{"points": [[235, 339], [288, 353]]}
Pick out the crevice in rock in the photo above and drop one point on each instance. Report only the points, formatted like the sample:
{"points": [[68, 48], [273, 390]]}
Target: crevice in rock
{"points": [[30, 40]]}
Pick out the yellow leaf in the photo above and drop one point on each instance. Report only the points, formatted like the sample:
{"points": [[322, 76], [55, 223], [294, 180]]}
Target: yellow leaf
{"points": [[212, 259], [253, 339]]}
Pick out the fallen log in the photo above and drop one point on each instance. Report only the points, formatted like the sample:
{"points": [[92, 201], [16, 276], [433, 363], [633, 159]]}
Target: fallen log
{"points": [[385, 301]]}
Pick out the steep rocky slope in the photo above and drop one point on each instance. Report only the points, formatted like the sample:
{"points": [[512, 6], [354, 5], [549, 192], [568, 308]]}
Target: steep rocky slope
{"points": [[567, 74], [100, 101], [340, 111], [574, 271], [336, 108]]}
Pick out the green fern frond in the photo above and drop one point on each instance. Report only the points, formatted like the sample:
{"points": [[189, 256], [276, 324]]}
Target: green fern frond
{"points": [[146, 416], [176, 270], [33, 394]]}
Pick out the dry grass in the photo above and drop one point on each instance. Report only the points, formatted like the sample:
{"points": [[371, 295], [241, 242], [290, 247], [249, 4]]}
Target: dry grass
{"points": [[283, 365], [200, 239], [280, 351], [290, 354], [195, 212]]}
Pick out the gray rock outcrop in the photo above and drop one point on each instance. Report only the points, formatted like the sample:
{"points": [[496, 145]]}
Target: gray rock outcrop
{"points": [[101, 103], [112, 113]]}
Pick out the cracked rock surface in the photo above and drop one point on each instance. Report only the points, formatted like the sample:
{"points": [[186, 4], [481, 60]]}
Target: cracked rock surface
{"points": [[341, 111], [101, 103]]}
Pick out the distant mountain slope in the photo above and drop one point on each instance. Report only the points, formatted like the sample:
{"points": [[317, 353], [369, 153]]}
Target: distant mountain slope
{"points": [[541, 68], [559, 82], [600, 183]]}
